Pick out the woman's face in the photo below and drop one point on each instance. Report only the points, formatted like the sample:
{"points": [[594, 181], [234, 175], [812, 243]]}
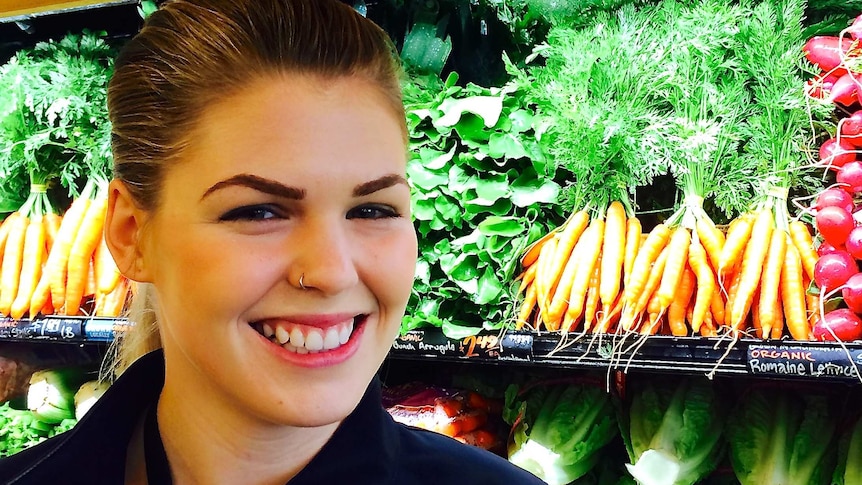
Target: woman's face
{"points": [[293, 178]]}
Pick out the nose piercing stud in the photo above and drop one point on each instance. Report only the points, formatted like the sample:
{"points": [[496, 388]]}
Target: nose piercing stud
{"points": [[300, 281]]}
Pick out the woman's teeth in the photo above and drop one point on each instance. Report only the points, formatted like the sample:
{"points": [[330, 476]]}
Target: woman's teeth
{"points": [[303, 339]]}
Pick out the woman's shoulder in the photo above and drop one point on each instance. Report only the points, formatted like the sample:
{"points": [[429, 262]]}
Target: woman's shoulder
{"points": [[433, 458]]}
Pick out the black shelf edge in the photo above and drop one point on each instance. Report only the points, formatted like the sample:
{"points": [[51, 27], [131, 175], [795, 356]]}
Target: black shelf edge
{"points": [[55, 328], [827, 361], [70, 7]]}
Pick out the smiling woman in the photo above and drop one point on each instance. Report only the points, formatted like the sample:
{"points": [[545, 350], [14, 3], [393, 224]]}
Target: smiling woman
{"points": [[261, 205]]}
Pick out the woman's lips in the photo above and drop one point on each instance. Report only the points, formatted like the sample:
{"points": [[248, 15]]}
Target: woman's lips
{"points": [[326, 334], [312, 346]]}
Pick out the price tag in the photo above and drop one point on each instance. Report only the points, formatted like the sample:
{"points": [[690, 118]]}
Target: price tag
{"points": [[804, 361], [516, 346], [421, 343], [480, 346], [62, 328], [41, 329], [105, 329]]}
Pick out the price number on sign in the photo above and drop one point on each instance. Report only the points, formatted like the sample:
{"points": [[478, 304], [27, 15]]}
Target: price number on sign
{"points": [[481, 346]]}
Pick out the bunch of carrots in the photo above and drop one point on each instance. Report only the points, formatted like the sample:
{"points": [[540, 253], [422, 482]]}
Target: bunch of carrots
{"points": [[684, 277], [573, 275], [59, 265]]}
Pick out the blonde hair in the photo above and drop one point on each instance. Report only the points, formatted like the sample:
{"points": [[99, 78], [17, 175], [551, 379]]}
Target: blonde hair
{"points": [[192, 53]]}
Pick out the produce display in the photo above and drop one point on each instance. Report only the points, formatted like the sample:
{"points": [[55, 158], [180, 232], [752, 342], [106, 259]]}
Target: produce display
{"points": [[54, 134], [466, 416], [588, 168]]}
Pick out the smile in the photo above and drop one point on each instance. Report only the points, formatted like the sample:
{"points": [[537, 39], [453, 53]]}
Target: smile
{"points": [[305, 339]]}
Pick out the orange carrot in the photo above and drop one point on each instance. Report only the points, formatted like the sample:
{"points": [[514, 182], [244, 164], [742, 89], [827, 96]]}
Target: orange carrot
{"points": [[770, 278], [716, 307], [526, 307], [52, 222], [712, 240], [531, 254], [587, 263], [652, 326], [610, 316], [793, 294], [82, 252], [673, 269], [633, 244], [731, 296], [676, 311], [593, 294], [647, 255], [115, 301], [752, 266], [92, 286], [11, 269], [527, 277], [53, 282], [613, 252], [703, 300], [708, 328], [544, 263], [738, 235], [755, 318], [804, 245], [573, 262], [631, 312], [777, 329], [31, 266]]}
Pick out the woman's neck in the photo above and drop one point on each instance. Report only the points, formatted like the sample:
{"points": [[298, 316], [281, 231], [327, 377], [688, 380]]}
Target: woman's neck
{"points": [[209, 442]]}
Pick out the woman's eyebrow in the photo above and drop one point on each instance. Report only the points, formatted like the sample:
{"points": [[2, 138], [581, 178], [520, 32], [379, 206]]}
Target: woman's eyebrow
{"points": [[258, 183], [381, 183]]}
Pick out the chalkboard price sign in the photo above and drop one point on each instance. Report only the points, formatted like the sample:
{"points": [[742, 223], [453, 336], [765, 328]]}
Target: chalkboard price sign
{"points": [[42, 329], [513, 346], [805, 361]]}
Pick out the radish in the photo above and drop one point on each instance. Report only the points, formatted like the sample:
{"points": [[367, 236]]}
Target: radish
{"points": [[824, 51], [854, 243], [834, 224], [835, 153], [826, 248], [855, 29], [845, 325], [851, 129], [852, 293], [834, 197], [819, 87], [851, 175], [844, 91], [834, 269]]}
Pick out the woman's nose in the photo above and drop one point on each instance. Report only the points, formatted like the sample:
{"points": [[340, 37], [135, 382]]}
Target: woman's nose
{"points": [[324, 258]]}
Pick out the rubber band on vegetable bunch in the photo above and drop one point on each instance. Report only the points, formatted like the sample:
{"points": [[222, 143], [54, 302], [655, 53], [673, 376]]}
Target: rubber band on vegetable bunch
{"points": [[573, 276]]}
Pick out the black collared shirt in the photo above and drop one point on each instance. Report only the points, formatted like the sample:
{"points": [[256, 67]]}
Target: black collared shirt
{"points": [[368, 447]]}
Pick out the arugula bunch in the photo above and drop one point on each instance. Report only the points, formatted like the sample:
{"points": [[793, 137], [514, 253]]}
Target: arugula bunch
{"points": [[482, 189]]}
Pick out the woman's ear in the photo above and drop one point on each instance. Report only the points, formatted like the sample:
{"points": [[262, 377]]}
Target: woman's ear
{"points": [[124, 225]]}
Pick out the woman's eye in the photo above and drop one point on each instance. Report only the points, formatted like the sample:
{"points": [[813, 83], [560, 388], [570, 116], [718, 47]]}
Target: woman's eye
{"points": [[251, 213], [373, 212]]}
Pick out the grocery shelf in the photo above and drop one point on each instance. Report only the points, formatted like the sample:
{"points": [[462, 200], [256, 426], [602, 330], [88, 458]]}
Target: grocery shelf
{"points": [[62, 329], [23, 10], [689, 355]]}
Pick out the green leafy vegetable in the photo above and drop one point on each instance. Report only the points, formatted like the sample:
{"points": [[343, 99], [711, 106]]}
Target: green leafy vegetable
{"points": [[480, 182], [672, 430], [848, 471], [782, 437], [560, 430]]}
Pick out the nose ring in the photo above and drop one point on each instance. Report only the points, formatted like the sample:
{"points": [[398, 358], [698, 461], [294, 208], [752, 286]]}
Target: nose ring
{"points": [[300, 281]]}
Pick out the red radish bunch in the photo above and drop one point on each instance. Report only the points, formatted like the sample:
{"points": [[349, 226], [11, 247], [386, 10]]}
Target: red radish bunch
{"points": [[837, 267]]}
